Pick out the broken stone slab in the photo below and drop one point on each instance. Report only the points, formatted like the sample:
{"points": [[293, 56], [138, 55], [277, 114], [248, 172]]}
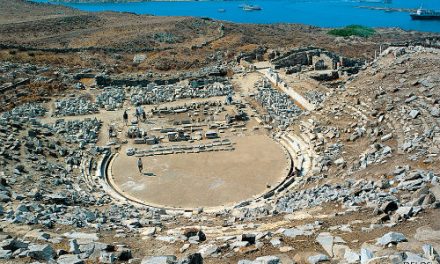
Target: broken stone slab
{"points": [[148, 231], [386, 150], [339, 162], [435, 190], [94, 249], [414, 113], [239, 244], [326, 240], [208, 250], [386, 137], [366, 255], [407, 145], [410, 257], [410, 185], [41, 252], [351, 257], [404, 212], [429, 252], [81, 237], [386, 259], [168, 239], [69, 259], [317, 258], [13, 244], [411, 99], [159, 260], [268, 260], [294, 232], [5, 254], [262, 260], [391, 237], [425, 201], [275, 242], [344, 228], [185, 247], [435, 112], [339, 251]]}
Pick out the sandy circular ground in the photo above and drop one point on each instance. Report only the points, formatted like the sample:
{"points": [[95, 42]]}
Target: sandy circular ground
{"points": [[207, 179]]}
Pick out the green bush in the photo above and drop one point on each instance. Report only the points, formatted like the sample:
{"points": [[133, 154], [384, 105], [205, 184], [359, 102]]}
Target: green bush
{"points": [[352, 30]]}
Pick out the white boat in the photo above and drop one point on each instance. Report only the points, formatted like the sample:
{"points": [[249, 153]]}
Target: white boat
{"points": [[251, 8]]}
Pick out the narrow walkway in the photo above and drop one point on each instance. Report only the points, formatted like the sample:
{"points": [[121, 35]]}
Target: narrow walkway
{"points": [[299, 99]]}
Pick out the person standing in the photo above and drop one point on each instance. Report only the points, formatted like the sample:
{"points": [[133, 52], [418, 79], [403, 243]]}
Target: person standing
{"points": [[140, 165], [137, 114], [125, 117]]}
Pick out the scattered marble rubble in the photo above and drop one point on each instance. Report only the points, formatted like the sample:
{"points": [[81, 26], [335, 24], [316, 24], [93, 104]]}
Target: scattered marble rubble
{"points": [[280, 107], [28, 110], [58, 197], [352, 194], [111, 98], [375, 154], [193, 106], [82, 132], [315, 97], [74, 106], [216, 145], [155, 94]]}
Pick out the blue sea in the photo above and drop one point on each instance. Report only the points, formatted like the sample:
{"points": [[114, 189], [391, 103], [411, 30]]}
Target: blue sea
{"points": [[323, 13]]}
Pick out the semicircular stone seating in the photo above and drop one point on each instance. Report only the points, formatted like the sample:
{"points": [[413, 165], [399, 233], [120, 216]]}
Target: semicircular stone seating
{"points": [[299, 151], [96, 180], [298, 148]]}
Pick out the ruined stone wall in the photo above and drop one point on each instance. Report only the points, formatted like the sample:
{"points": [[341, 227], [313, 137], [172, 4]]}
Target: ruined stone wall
{"points": [[297, 58], [109, 81], [69, 50]]}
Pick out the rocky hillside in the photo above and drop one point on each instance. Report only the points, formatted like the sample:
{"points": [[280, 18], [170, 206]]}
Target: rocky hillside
{"points": [[371, 196]]}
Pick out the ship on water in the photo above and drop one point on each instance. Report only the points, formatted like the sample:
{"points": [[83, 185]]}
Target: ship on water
{"points": [[425, 14], [251, 8]]}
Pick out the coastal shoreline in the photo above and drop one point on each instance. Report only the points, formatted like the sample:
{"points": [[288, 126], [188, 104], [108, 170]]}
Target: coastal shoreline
{"points": [[389, 9], [317, 14]]}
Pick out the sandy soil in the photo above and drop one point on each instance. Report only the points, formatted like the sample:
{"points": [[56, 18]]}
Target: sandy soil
{"points": [[244, 83], [204, 179]]}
